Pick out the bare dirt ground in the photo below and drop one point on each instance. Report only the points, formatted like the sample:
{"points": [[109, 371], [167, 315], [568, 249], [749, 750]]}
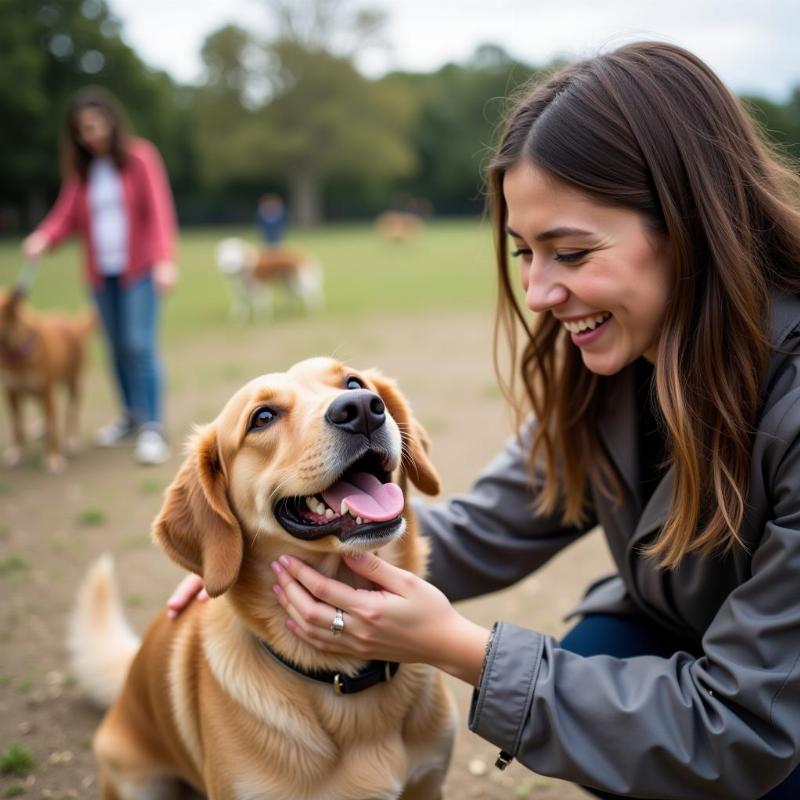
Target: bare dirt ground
{"points": [[52, 528]]}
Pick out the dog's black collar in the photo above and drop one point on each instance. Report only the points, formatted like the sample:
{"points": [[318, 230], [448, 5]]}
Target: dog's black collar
{"points": [[371, 674]]}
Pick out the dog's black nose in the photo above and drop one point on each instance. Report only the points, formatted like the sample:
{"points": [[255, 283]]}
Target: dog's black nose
{"points": [[359, 411]]}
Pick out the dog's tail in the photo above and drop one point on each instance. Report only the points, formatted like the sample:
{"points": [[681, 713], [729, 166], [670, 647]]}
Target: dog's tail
{"points": [[101, 643]]}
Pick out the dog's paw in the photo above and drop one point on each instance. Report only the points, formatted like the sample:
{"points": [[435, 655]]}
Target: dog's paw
{"points": [[55, 463], [12, 457]]}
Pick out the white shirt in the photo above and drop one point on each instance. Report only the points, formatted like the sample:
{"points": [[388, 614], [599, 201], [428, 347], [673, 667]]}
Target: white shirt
{"points": [[108, 216]]}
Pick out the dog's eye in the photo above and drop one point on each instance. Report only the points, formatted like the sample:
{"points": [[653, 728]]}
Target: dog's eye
{"points": [[262, 417], [354, 383]]}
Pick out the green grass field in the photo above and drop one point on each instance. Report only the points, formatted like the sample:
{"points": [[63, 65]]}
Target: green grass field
{"points": [[448, 266]]}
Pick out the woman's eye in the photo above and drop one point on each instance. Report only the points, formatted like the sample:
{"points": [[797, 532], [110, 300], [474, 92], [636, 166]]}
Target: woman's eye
{"points": [[262, 417], [572, 258], [354, 383], [520, 251]]}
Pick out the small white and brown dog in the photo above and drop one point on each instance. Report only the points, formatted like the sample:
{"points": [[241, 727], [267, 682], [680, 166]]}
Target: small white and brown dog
{"points": [[255, 272]]}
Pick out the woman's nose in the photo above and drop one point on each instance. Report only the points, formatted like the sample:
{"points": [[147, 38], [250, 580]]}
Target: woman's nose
{"points": [[543, 291]]}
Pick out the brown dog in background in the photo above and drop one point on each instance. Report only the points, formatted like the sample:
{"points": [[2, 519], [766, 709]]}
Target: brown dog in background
{"points": [[38, 353], [210, 703]]}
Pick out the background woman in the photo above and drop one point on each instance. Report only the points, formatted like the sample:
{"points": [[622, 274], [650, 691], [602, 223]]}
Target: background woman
{"points": [[116, 196]]}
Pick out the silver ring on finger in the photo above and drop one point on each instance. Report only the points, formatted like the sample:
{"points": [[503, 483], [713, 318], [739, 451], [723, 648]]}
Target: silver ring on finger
{"points": [[337, 626]]}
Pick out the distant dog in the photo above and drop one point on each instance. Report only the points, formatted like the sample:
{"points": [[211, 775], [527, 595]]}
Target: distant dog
{"points": [[399, 226], [313, 462], [256, 271], [39, 352]]}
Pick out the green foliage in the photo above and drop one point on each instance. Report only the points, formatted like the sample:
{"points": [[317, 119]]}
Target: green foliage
{"points": [[291, 113], [16, 759], [51, 49]]}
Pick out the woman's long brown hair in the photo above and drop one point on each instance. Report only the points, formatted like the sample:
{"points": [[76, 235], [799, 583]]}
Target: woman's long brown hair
{"points": [[651, 128], [75, 158]]}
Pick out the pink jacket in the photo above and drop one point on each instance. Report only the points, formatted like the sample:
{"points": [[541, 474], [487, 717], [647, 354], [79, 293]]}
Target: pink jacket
{"points": [[151, 214]]}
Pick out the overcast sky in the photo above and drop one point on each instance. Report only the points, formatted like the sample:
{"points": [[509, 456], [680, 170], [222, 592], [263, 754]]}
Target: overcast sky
{"points": [[754, 45]]}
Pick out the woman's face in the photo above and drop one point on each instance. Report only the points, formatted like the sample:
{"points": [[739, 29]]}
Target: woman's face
{"points": [[594, 267], [94, 130]]}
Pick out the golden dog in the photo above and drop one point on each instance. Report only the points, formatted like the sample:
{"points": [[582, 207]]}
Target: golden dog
{"points": [[300, 463], [38, 353]]}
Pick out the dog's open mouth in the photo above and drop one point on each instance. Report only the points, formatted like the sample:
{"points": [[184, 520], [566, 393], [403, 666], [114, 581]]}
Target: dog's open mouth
{"points": [[361, 503]]}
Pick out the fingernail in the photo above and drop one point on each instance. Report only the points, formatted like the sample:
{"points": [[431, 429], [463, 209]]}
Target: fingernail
{"points": [[276, 567], [291, 624], [356, 556], [285, 561], [171, 614], [277, 589]]}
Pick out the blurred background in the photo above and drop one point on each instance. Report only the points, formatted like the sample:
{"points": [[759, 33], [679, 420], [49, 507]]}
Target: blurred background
{"points": [[346, 110]]}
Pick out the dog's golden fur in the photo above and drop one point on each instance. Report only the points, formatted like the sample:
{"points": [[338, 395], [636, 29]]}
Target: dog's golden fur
{"points": [[203, 703], [40, 352]]}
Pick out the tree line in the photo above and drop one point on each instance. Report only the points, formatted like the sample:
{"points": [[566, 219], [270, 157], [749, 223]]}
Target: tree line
{"points": [[291, 113]]}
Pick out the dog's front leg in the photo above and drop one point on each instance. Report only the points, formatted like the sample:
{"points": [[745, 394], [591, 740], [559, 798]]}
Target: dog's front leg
{"points": [[53, 458], [13, 455], [71, 425]]}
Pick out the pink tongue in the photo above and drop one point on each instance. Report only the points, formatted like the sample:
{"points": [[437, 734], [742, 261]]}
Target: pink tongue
{"points": [[366, 497]]}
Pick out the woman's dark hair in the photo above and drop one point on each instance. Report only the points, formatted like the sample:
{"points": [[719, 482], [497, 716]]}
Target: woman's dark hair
{"points": [[650, 127], [75, 157]]}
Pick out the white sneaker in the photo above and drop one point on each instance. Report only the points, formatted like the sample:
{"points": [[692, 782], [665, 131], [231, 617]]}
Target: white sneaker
{"points": [[115, 433], [151, 447]]}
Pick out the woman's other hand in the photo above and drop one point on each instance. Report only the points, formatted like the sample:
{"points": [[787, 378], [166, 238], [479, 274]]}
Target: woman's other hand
{"points": [[165, 276], [188, 590], [34, 245], [404, 619]]}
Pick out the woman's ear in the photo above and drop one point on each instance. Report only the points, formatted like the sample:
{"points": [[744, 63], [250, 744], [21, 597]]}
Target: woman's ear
{"points": [[196, 527], [416, 444]]}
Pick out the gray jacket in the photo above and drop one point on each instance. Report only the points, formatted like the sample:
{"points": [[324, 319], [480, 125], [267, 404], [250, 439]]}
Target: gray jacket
{"points": [[722, 725]]}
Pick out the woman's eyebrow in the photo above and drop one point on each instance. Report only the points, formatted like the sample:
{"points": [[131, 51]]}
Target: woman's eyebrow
{"points": [[553, 233]]}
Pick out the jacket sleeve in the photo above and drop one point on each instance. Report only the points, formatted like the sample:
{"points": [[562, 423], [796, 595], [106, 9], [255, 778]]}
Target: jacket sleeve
{"points": [[490, 538], [61, 221], [724, 725], [159, 203]]}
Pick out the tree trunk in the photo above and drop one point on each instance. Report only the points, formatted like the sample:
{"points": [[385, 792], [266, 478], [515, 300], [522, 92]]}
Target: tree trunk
{"points": [[305, 197]]}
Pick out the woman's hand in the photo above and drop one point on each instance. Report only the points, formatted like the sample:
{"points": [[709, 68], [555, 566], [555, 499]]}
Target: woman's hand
{"points": [[35, 245], [165, 276], [190, 589], [405, 619]]}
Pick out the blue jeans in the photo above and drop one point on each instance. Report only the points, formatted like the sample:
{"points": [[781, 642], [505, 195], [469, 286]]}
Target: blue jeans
{"points": [[130, 317], [625, 637]]}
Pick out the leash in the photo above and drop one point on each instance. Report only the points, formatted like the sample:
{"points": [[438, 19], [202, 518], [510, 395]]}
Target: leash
{"points": [[27, 275], [374, 672]]}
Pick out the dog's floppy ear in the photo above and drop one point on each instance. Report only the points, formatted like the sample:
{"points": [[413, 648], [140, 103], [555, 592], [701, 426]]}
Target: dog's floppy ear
{"points": [[416, 444], [196, 526]]}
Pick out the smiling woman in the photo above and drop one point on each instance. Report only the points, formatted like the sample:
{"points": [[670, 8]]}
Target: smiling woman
{"points": [[658, 241]]}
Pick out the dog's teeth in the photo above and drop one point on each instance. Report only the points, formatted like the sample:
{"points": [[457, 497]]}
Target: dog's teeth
{"points": [[311, 503], [344, 509], [359, 521], [329, 513]]}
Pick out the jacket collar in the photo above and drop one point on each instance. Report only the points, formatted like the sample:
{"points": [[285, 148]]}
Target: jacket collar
{"points": [[617, 426]]}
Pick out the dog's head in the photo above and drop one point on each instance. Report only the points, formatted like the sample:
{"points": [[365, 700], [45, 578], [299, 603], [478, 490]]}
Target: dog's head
{"points": [[308, 456], [234, 256], [15, 328]]}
